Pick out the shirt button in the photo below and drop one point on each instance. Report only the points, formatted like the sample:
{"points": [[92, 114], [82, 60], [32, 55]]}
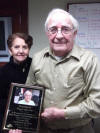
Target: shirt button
{"points": [[51, 102], [54, 89], [56, 75]]}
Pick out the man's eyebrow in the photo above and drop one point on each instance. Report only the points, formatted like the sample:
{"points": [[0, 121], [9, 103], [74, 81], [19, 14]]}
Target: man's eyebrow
{"points": [[66, 25]]}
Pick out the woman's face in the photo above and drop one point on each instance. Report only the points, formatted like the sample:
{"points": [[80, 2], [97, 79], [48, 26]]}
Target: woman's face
{"points": [[19, 50]]}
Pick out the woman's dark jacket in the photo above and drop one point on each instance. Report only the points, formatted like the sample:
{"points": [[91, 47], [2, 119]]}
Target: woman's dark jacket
{"points": [[11, 72]]}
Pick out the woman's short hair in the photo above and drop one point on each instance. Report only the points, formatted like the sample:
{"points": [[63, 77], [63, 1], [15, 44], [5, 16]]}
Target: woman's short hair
{"points": [[27, 38]]}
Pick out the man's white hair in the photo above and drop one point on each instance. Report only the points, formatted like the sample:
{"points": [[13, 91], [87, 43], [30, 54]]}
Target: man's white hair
{"points": [[57, 11], [28, 92]]}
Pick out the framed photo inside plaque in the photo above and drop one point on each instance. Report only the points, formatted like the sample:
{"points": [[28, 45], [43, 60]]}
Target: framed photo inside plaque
{"points": [[24, 108]]}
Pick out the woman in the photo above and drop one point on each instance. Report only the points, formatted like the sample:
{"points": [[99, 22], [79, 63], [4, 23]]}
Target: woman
{"points": [[16, 70]]}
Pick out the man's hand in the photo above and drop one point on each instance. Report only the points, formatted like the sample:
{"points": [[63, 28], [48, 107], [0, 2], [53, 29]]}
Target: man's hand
{"points": [[53, 113]]}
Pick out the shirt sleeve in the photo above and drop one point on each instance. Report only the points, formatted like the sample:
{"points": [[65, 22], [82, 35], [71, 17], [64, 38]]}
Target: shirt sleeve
{"points": [[90, 106]]}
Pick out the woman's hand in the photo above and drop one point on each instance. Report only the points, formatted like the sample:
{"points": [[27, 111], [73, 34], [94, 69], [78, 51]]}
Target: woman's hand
{"points": [[15, 131]]}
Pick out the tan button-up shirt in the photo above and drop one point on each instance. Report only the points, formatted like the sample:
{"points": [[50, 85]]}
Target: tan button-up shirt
{"points": [[72, 83]]}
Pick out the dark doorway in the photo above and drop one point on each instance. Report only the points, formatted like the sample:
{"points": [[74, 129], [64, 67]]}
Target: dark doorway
{"points": [[17, 10]]}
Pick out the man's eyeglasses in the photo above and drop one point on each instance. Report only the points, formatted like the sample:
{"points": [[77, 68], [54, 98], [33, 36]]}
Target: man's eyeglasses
{"points": [[64, 30]]}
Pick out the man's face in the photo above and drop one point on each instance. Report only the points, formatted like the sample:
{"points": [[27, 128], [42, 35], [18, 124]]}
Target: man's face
{"points": [[28, 96], [61, 42]]}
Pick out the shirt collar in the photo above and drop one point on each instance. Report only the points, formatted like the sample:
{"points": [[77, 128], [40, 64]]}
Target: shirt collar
{"points": [[75, 53]]}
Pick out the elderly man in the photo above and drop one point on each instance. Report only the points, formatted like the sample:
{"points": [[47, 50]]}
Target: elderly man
{"points": [[71, 76]]}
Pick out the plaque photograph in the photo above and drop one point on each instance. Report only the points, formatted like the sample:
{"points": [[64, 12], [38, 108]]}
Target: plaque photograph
{"points": [[23, 108]]}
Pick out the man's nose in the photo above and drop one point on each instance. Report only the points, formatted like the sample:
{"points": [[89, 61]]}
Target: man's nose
{"points": [[59, 34]]}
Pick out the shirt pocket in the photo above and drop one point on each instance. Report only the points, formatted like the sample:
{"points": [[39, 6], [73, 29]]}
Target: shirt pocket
{"points": [[76, 83], [75, 86], [75, 89], [42, 79]]}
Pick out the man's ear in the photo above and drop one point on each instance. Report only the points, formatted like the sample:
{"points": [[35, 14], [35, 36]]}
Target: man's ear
{"points": [[75, 33], [10, 51]]}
